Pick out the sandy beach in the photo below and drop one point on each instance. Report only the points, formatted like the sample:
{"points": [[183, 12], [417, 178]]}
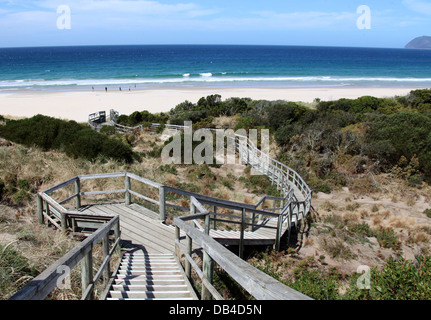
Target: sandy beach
{"points": [[76, 105]]}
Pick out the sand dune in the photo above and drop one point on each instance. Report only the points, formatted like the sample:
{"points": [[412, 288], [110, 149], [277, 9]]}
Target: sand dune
{"points": [[76, 105]]}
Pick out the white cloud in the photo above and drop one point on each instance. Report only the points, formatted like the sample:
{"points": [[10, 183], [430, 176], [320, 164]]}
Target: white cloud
{"points": [[418, 6], [264, 20], [134, 7], [310, 19]]}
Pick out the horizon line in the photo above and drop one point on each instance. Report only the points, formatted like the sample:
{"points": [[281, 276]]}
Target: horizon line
{"points": [[191, 44]]}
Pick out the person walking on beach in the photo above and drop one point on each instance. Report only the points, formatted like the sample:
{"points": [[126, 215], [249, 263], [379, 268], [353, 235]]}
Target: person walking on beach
{"points": [[106, 89]]}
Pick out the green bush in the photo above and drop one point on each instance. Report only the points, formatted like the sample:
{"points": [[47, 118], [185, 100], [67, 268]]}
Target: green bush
{"points": [[387, 238], [398, 280], [144, 118], [315, 284], [407, 134], [75, 140]]}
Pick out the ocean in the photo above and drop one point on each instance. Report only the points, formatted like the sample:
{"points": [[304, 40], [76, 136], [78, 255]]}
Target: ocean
{"points": [[201, 66]]}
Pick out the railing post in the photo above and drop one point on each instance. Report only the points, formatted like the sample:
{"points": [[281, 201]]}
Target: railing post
{"points": [[127, 185], [40, 209], [207, 224], [215, 220], [252, 217], [87, 273], [208, 268], [78, 194], [192, 207], [117, 233], [105, 243], [47, 211], [63, 222], [187, 265], [241, 238], [289, 221], [162, 203], [177, 238], [279, 230]]}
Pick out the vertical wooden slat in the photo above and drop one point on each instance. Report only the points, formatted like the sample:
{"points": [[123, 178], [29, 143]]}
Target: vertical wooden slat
{"points": [[127, 187], [105, 244], [207, 224], [187, 265], [241, 238], [78, 194], [177, 238], [63, 222], [279, 233], [117, 232], [40, 209], [162, 203], [208, 267], [87, 273], [215, 218]]}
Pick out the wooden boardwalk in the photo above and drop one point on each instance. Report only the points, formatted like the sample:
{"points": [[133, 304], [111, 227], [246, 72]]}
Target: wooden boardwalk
{"points": [[149, 270], [141, 227], [157, 244]]}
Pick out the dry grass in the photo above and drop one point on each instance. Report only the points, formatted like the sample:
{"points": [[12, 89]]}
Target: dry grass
{"points": [[43, 245]]}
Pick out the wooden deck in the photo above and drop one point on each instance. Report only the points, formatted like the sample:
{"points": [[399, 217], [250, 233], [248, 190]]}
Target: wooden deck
{"points": [[141, 227]]}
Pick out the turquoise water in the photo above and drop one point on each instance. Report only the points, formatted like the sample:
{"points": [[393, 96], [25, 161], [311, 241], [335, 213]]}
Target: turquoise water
{"points": [[193, 66]]}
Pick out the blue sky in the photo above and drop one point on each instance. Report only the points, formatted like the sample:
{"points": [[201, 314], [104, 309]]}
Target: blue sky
{"points": [[277, 22]]}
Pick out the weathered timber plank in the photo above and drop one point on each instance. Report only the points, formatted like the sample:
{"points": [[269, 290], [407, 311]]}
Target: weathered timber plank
{"points": [[143, 221], [144, 211], [148, 235]]}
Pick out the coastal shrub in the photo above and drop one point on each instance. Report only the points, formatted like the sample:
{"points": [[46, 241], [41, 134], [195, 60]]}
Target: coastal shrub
{"points": [[75, 140], [144, 118], [399, 279], [233, 106], [408, 134], [246, 122], [387, 238], [361, 105], [281, 114], [418, 98]]}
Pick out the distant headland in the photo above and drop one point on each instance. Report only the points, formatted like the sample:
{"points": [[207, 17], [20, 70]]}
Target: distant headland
{"points": [[423, 42]]}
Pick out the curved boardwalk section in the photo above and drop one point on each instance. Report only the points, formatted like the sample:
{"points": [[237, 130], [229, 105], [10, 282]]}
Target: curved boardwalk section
{"points": [[150, 267]]}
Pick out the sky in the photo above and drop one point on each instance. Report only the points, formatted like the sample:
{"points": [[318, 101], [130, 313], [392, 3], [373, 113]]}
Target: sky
{"points": [[351, 23]]}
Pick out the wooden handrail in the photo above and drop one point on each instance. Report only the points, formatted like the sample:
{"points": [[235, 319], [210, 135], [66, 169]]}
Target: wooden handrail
{"points": [[254, 281], [41, 286]]}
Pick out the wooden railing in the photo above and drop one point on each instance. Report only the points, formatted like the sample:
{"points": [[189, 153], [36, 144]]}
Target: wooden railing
{"points": [[241, 216], [41, 286], [54, 212], [244, 216], [280, 174], [295, 202], [255, 282]]}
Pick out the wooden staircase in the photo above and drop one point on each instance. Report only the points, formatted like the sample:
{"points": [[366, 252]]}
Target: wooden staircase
{"points": [[143, 276]]}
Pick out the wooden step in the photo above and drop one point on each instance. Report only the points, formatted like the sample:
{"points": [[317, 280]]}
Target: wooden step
{"points": [[151, 294], [147, 281], [138, 287], [143, 276]]}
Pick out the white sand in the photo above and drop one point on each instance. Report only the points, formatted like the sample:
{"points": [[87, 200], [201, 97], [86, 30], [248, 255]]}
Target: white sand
{"points": [[76, 105]]}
